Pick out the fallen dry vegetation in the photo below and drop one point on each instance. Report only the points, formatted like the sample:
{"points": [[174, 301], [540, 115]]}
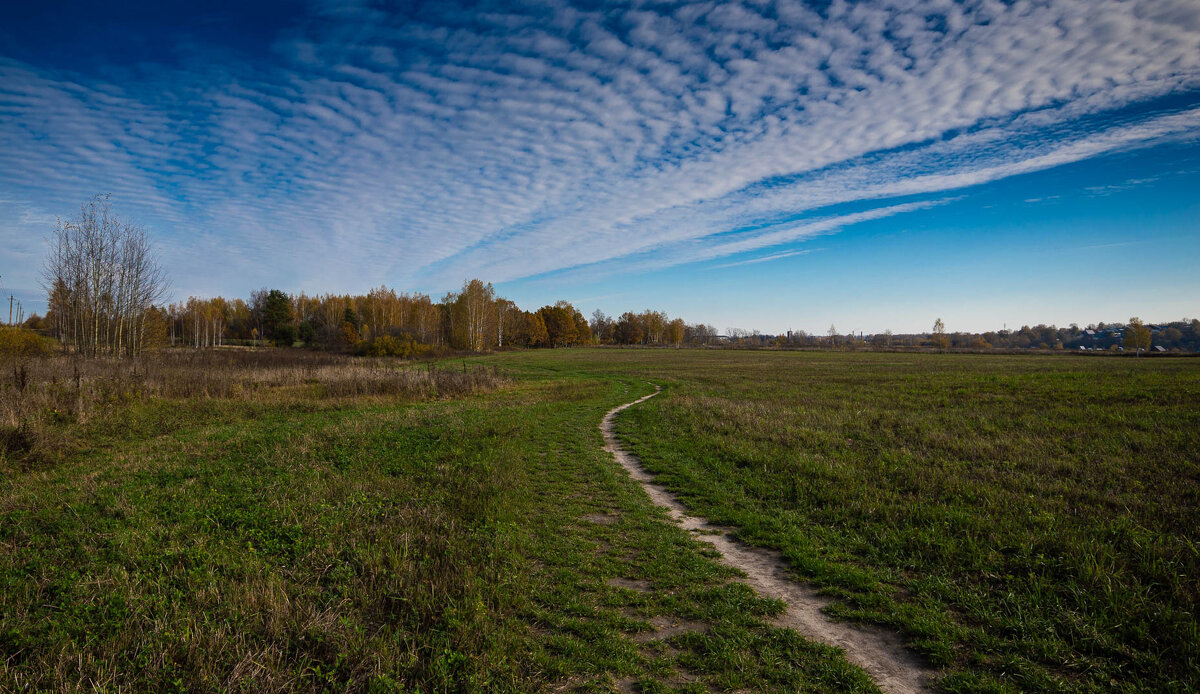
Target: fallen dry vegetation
{"points": [[50, 401]]}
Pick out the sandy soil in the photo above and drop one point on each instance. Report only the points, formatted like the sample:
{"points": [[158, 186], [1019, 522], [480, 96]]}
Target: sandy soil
{"points": [[879, 652]]}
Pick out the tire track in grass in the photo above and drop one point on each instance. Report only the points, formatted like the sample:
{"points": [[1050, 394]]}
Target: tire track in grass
{"points": [[879, 652]]}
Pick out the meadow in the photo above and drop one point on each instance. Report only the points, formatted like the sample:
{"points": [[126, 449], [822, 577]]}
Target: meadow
{"points": [[1027, 523], [284, 537]]}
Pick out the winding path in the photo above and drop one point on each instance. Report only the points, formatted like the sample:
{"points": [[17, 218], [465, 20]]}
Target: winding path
{"points": [[879, 652]]}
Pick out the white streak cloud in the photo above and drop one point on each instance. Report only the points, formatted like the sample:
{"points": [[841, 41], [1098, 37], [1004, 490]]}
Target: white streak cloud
{"points": [[504, 144]]}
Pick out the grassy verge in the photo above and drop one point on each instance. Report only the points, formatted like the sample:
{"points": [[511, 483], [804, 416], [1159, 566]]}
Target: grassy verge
{"points": [[54, 405], [1028, 522], [480, 542]]}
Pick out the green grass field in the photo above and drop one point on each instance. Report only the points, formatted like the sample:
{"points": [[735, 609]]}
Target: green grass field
{"points": [[1027, 523], [1030, 523]]}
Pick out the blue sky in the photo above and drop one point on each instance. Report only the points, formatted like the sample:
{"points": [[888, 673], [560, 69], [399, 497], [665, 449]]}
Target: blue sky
{"points": [[769, 165]]}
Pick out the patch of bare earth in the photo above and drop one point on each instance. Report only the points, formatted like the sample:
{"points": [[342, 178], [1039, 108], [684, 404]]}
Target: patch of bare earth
{"points": [[879, 652], [630, 584], [599, 518], [666, 627]]}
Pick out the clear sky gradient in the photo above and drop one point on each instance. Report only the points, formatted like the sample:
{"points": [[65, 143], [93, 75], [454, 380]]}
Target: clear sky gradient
{"points": [[762, 165]]}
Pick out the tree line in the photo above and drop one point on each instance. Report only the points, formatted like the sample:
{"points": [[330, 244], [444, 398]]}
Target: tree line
{"points": [[106, 290], [382, 322], [387, 322], [1134, 335]]}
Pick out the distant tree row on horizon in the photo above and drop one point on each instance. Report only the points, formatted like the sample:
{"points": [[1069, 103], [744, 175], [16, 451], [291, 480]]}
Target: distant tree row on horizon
{"points": [[105, 292], [106, 288], [389, 323], [385, 322], [1178, 336], [382, 322]]}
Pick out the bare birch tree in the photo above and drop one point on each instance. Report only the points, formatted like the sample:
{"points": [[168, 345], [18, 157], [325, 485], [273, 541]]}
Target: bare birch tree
{"points": [[102, 276]]}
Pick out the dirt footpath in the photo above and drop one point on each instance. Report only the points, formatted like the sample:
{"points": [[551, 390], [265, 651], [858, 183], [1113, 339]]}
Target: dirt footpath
{"points": [[879, 652]]}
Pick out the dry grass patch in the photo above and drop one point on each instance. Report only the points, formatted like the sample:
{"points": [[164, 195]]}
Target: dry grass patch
{"points": [[53, 402]]}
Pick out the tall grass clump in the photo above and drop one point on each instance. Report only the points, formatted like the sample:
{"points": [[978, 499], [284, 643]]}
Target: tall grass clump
{"points": [[49, 397]]}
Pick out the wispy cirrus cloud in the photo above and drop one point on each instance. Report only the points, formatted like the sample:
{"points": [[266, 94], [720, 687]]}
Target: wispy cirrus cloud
{"points": [[766, 258], [519, 140]]}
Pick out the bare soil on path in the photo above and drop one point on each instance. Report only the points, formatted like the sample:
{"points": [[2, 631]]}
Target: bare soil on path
{"points": [[879, 652]]}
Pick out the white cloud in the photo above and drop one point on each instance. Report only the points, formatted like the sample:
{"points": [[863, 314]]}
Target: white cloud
{"points": [[765, 258], [510, 144]]}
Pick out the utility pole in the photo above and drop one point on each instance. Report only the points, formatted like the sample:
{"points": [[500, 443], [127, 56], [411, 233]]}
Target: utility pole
{"points": [[10, 300]]}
